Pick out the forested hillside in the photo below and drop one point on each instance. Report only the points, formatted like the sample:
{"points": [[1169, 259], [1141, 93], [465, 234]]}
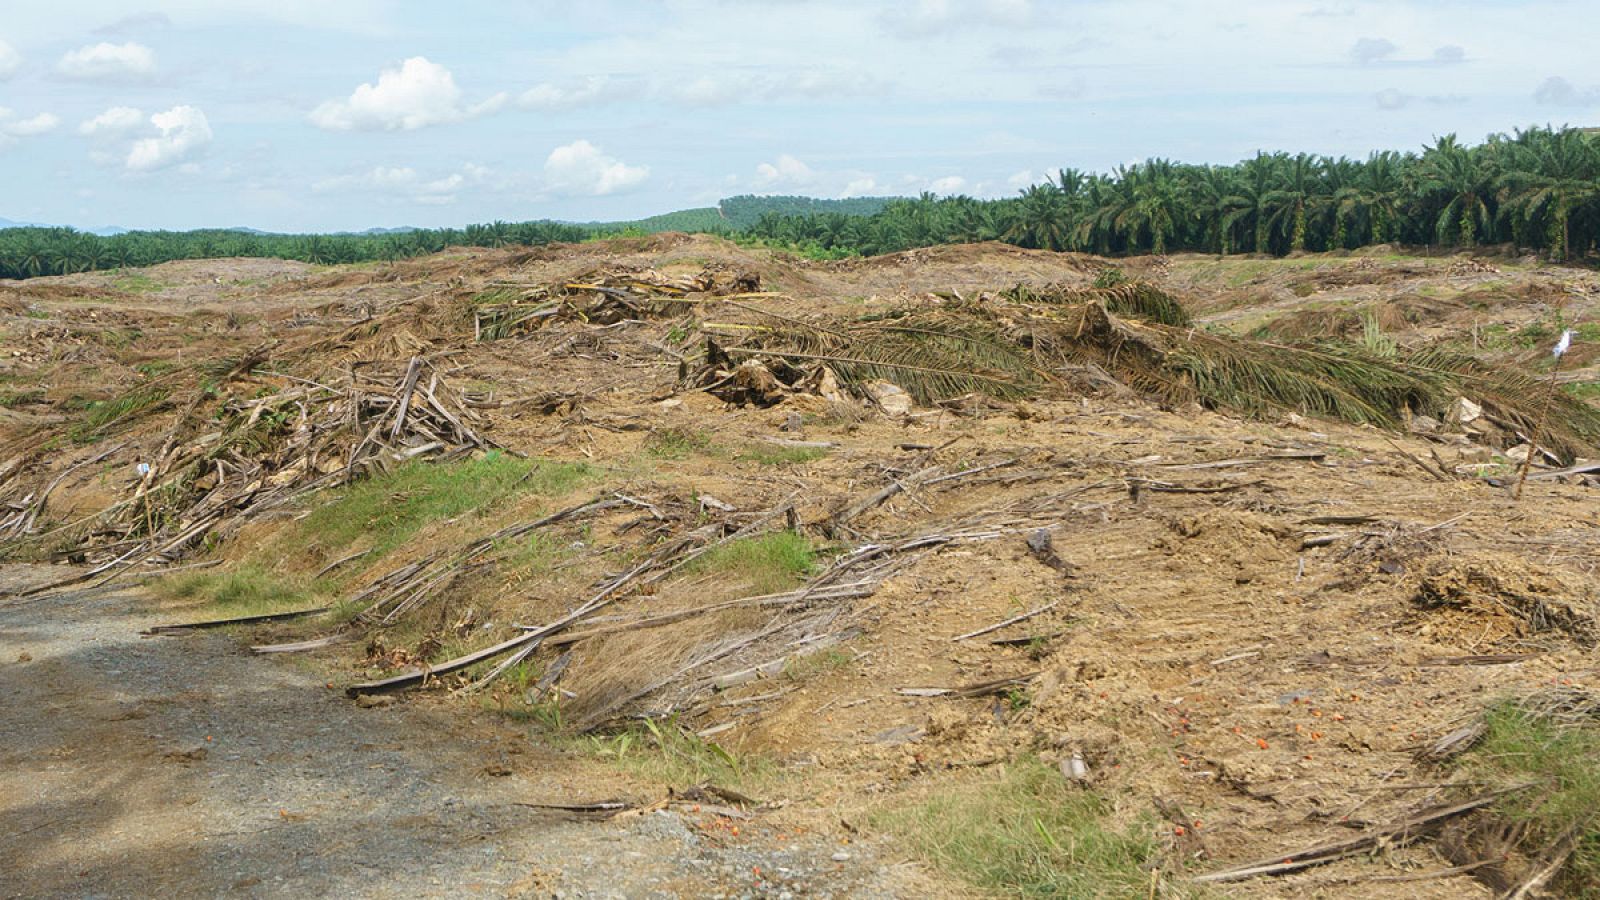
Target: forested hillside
{"points": [[1537, 189]]}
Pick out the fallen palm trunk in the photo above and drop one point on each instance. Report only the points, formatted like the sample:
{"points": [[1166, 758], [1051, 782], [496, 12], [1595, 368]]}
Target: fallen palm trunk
{"points": [[237, 620]]}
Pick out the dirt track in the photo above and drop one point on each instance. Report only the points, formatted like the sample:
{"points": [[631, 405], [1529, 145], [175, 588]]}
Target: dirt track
{"points": [[181, 767]]}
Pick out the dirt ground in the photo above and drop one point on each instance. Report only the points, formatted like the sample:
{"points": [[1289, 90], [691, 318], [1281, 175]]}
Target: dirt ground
{"points": [[1257, 623], [180, 766]]}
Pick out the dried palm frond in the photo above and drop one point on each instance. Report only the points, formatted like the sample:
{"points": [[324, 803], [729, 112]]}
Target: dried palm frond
{"points": [[931, 355], [1135, 299], [1336, 380]]}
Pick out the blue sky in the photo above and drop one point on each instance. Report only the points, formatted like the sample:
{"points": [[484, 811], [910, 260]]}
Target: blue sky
{"points": [[348, 114]]}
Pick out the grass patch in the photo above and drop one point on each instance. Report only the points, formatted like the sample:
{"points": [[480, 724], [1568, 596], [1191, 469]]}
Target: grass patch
{"points": [[138, 283], [390, 508], [811, 665], [101, 416], [1025, 831], [663, 752], [769, 563], [1584, 390], [246, 591], [1558, 747], [13, 399], [677, 442], [778, 455]]}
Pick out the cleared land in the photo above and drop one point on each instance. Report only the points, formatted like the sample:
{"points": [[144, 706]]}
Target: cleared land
{"points": [[1249, 630]]}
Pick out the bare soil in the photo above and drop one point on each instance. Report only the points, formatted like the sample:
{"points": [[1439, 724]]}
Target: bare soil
{"points": [[181, 766], [1260, 622]]}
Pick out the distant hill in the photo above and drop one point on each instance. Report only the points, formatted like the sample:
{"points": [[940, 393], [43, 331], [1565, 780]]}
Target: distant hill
{"points": [[741, 212], [102, 231], [705, 218]]}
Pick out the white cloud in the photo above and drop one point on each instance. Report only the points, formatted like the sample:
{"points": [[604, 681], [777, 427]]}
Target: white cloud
{"points": [[1392, 98], [1370, 50], [407, 183], [786, 172], [929, 17], [13, 128], [117, 120], [861, 187], [592, 91], [106, 61], [1558, 91], [581, 168], [950, 184], [10, 61], [417, 94], [1449, 54], [1021, 179], [39, 124], [135, 22], [184, 133]]}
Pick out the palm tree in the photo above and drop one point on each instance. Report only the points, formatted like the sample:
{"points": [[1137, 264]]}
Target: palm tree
{"points": [[1043, 219], [1453, 177], [1287, 204], [1550, 178]]}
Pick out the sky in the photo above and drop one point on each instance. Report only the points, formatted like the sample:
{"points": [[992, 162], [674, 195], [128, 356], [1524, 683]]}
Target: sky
{"points": [[326, 115]]}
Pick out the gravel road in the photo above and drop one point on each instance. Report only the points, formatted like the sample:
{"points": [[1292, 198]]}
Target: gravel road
{"points": [[183, 766]]}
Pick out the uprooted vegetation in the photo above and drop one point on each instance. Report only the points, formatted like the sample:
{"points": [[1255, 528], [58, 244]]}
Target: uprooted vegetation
{"points": [[721, 516]]}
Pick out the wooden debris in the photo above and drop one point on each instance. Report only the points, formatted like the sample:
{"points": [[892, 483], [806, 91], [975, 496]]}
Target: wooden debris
{"points": [[980, 689], [239, 620], [301, 646], [1011, 621], [1397, 833]]}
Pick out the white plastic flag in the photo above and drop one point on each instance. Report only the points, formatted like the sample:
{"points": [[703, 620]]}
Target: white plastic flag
{"points": [[1565, 342]]}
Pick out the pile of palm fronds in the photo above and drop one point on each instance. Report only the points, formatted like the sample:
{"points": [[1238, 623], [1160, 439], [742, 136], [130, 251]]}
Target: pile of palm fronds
{"points": [[1021, 342], [1135, 299], [601, 297], [208, 475], [932, 353]]}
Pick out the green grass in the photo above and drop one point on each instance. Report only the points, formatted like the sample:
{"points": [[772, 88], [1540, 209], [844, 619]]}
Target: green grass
{"points": [[138, 283], [155, 367], [778, 455], [662, 751], [246, 591], [1023, 830], [388, 509], [1561, 753], [821, 662], [531, 555], [677, 442], [10, 399], [1584, 390], [769, 563], [101, 415]]}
